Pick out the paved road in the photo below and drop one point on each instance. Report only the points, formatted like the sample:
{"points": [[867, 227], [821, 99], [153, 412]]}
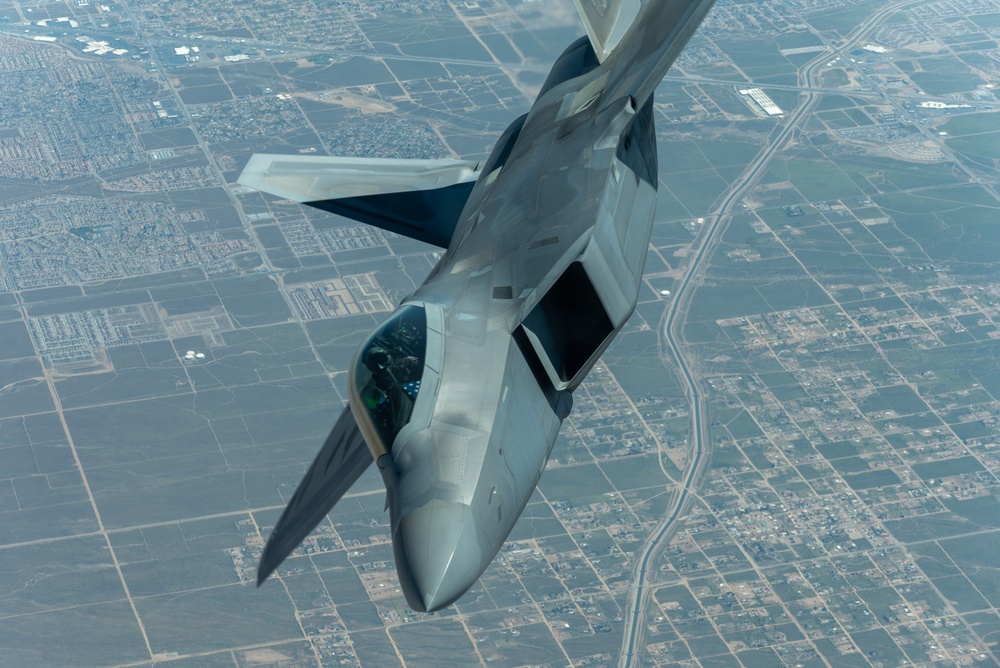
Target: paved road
{"points": [[639, 592]]}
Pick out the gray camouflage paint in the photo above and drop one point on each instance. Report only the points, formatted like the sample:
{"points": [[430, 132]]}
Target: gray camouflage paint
{"points": [[466, 465], [576, 185]]}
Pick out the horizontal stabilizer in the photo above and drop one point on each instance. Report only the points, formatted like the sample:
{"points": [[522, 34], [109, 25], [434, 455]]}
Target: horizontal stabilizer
{"points": [[420, 199], [606, 22], [341, 461]]}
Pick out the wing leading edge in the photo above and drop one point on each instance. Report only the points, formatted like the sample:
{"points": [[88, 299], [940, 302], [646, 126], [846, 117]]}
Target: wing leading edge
{"points": [[340, 462], [420, 199]]}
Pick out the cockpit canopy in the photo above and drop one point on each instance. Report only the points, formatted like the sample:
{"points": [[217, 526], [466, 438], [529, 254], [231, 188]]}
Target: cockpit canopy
{"points": [[385, 379]]}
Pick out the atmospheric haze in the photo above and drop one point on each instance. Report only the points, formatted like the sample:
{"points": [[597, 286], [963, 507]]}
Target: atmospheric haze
{"points": [[787, 457]]}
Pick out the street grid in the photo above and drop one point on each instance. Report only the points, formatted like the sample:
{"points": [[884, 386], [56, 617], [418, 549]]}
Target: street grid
{"points": [[789, 457]]}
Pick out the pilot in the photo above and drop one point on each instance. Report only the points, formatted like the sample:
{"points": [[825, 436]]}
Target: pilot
{"points": [[379, 362]]}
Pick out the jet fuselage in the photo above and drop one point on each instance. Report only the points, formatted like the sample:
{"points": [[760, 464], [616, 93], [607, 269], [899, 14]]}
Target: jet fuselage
{"points": [[459, 395], [543, 270]]}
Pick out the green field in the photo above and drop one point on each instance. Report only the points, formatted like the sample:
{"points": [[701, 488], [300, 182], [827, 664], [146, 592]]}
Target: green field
{"points": [[976, 556], [919, 421], [627, 473], [793, 294], [945, 83], [899, 398], [947, 467], [697, 191], [985, 146], [828, 102], [668, 210], [972, 124], [817, 181], [681, 156], [743, 427], [845, 19], [796, 40], [850, 465], [939, 525], [983, 510], [890, 175], [976, 429], [575, 485], [872, 479], [702, 332], [726, 457], [778, 218], [727, 153], [858, 116], [950, 223], [718, 302], [837, 450], [876, 643], [835, 78], [837, 119], [880, 600], [961, 593], [756, 61], [986, 20]]}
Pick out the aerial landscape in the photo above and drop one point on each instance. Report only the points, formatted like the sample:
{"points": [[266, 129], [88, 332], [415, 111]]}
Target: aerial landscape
{"points": [[789, 457]]}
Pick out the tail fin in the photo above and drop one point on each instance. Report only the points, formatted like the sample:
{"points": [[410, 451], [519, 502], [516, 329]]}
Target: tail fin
{"points": [[639, 39], [606, 22]]}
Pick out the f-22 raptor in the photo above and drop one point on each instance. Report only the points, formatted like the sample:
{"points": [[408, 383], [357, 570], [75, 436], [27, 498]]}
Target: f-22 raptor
{"points": [[459, 395]]}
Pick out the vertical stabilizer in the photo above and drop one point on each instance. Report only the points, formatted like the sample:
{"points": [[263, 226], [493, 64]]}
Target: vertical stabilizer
{"points": [[651, 43], [606, 22]]}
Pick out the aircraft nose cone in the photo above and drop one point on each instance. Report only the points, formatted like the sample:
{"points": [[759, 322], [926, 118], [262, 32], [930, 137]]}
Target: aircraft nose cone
{"points": [[437, 554]]}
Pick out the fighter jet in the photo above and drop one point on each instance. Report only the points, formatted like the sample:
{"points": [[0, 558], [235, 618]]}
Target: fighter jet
{"points": [[459, 395]]}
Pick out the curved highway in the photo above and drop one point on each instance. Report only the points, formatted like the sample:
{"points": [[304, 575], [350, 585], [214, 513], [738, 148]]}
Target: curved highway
{"points": [[639, 592]]}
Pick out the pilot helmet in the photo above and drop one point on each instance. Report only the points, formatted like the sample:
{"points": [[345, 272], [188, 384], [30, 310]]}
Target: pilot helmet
{"points": [[376, 359]]}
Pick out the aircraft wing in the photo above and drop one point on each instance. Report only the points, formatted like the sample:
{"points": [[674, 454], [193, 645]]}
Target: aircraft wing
{"points": [[341, 461], [420, 199]]}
